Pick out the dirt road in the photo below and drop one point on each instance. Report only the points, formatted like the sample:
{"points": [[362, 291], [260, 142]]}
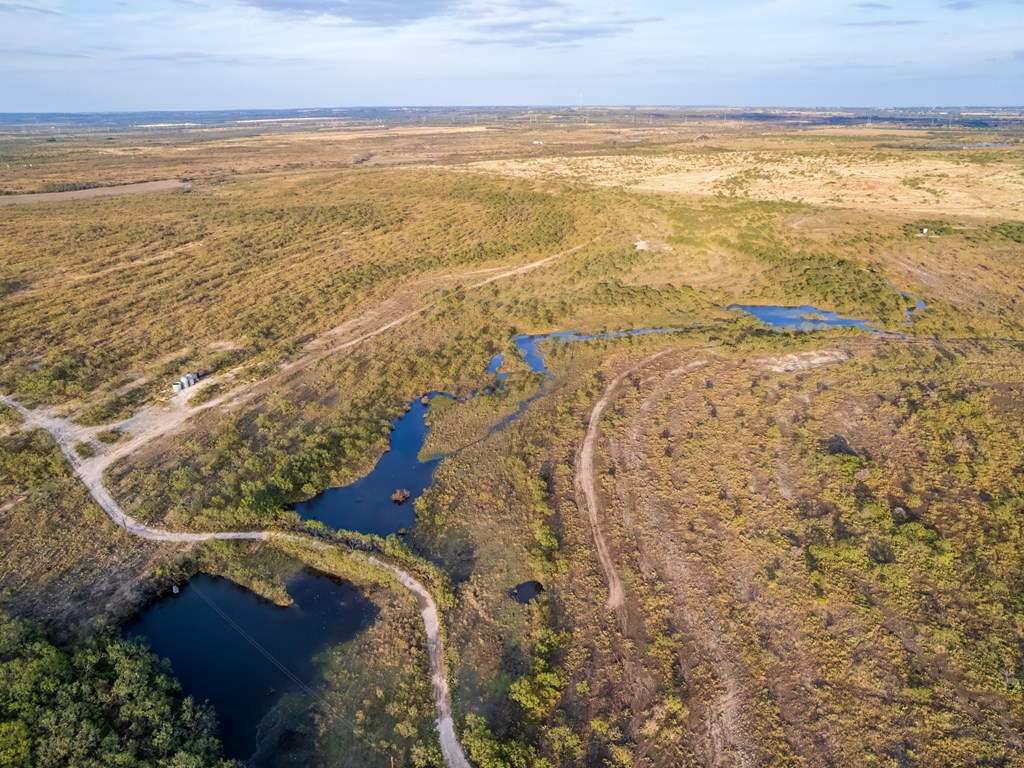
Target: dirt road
{"points": [[450, 747], [155, 421], [723, 723], [78, 194], [587, 493], [91, 473]]}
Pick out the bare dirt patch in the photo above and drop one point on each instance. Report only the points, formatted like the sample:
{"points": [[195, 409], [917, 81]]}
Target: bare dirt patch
{"points": [[914, 183], [82, 194]]}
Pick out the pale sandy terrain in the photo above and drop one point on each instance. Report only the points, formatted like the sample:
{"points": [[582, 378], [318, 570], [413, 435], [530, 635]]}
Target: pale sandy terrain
{"points": [[326, 136], [78, 194], [921, 183]]}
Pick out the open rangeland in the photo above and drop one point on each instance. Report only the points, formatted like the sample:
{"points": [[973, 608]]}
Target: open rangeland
{"points": [[756, 547]]}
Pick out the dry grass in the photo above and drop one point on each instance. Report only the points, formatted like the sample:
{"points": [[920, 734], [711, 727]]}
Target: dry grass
{"points": [[980, 182], [777, 611]]}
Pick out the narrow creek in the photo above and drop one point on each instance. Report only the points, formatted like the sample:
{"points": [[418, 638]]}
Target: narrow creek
{"points": [[242, 653], [809, 318]]}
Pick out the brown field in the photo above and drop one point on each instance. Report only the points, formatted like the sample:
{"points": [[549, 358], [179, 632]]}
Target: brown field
{"points": [[78, 194]]}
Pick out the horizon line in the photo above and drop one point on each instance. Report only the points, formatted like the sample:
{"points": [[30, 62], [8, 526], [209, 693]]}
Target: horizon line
{"points": [[568, 107]]}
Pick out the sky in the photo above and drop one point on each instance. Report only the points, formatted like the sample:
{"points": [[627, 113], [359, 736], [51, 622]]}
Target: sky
{"points": [[120, 55]]}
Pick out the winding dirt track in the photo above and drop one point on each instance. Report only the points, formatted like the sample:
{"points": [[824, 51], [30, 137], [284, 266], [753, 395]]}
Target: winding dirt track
{"points": [[587, 493], [154, 421], [92, 476]]}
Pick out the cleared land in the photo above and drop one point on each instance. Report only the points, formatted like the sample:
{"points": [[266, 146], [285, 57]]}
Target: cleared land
{"points": [[974, 181]]}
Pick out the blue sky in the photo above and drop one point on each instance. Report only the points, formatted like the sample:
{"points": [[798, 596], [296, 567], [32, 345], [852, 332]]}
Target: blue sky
{"points": [[93, 55]]}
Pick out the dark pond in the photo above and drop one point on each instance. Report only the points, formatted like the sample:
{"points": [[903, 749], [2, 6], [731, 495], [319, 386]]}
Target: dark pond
{"points": [[241, 652], [527, 591], [366, 504]]}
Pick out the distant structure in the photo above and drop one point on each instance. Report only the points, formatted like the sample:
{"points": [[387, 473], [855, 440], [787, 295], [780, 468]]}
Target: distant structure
{"points": [[186, 381], [538, 142]]}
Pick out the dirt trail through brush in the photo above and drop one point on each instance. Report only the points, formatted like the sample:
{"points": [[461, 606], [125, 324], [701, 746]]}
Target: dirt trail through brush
{"points": [[586, 493], [725, 735], [91, 473], [374, 321], [157, 420], [450, 747]]}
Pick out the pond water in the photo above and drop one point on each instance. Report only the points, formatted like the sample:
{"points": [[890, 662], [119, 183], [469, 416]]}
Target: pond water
{"points": [[241, 652], [804, 318], [366, 504], [808, 318], [496, 362], [527, 591]]}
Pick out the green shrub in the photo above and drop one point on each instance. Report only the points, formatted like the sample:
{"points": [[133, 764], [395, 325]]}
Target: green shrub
{"points": [[102, 700], [110, 435]]}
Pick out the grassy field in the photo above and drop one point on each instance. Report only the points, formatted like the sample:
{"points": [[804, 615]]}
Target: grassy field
{"points": [[817, 535], [804, 555]]}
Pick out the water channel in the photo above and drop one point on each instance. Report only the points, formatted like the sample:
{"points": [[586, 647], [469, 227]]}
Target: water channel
{"points": [[242, 653]]}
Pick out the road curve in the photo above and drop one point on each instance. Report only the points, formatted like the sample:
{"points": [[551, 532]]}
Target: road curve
{"points": [[154, 422], [92, 475], [586, 493]]}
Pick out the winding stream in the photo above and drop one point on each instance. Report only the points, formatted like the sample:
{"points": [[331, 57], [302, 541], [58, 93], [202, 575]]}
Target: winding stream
{"points": [[198, 630], [365, 506], [808, 318]]}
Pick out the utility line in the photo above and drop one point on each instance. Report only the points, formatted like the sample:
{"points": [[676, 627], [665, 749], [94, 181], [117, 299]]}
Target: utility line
{"points": [[254, 642], [340, 716]]}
